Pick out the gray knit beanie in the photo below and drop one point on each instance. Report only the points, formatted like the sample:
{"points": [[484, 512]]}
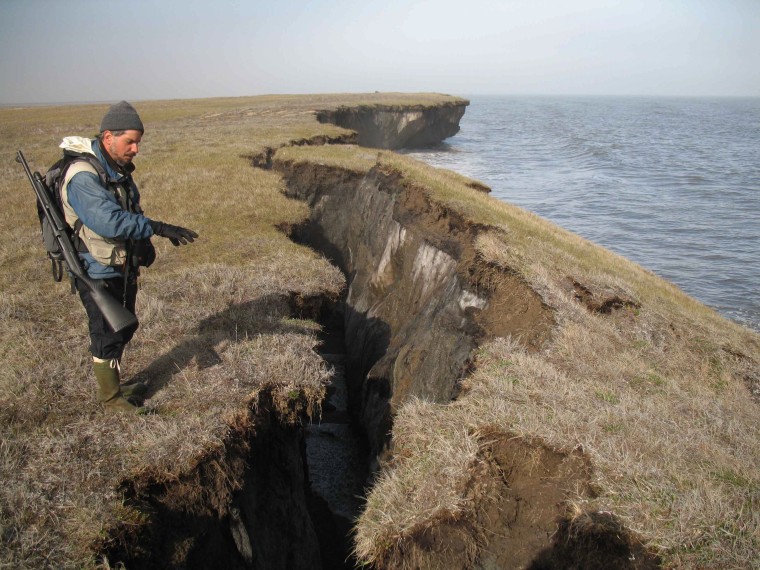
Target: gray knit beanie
{"points": [[121, 117]]}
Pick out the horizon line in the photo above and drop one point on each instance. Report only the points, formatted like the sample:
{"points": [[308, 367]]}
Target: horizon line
{"points": [[6, 105]]}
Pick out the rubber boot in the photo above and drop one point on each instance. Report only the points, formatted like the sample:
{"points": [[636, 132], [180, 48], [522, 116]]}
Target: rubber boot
{"points": [[109, 391], [136, 389]]}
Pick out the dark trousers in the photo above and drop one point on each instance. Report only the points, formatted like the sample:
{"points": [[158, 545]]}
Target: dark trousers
{"points": [[104, 342]]}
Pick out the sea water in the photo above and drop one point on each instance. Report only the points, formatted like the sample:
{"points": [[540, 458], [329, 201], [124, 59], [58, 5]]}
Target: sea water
{"points": [[670, 183]]}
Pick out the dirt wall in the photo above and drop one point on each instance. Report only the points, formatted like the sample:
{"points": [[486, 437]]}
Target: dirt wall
{"points": [[241, 507], [414, 308], [398, 127]]}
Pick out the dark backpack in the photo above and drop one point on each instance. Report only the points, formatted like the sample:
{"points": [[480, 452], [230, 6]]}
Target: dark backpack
{"points": [[54, 178]]}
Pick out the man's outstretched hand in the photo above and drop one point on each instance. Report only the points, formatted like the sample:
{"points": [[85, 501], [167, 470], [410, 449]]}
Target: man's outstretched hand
{"points": [[176, 234]]}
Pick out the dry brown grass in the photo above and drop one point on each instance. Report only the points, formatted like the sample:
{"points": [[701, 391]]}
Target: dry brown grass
{"points": [[654, 393], [217, 323], [345, 156]]}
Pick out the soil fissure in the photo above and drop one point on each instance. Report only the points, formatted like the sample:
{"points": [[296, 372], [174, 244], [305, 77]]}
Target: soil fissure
{"points": [[419, 301]]}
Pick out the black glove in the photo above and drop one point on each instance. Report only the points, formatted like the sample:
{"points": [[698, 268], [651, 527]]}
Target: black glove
{"points": [[176, 234]]}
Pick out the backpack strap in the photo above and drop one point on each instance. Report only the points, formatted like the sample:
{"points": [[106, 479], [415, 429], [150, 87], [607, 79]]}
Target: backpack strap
{"points": [[80, 162]]}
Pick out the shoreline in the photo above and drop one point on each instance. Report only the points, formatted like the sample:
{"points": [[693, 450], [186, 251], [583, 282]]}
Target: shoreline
{"points": [[503, 352]]}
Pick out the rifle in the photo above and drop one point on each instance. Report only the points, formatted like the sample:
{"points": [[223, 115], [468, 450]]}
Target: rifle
{"points": [[117, 316]]}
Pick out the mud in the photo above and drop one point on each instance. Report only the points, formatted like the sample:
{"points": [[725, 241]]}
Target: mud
{"points": [[521, 520], [529, 525], [603, 301]]}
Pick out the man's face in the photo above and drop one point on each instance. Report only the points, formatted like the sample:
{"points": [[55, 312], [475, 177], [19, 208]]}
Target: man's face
{"points": [[122, 148]]}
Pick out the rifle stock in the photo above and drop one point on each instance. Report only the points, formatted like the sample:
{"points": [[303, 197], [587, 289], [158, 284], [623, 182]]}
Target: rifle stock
{"points": [[116, 315]]}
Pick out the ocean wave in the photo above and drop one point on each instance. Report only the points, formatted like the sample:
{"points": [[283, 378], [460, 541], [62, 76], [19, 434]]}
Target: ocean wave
{"points": [[674, 184]]}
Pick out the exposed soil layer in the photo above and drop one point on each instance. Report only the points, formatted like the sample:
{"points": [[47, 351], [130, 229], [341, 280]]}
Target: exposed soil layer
{"points": [[524, 519], [231, 511], [533, 483], [394, 127], [419, 301], [603, 302], [246, 504], [521, 520]]}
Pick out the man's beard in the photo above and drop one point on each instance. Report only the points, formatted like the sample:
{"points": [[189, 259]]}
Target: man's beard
{"points": [[119, 161]]}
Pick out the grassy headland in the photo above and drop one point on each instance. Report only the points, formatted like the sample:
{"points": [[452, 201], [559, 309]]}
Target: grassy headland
{"points": [[655, 389]]}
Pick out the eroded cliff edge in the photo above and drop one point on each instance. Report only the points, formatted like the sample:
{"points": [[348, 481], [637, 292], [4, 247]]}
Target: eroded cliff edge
{"points": [[418, 300], [584, 408], [398, 126], [499, 367], [250, 504]]}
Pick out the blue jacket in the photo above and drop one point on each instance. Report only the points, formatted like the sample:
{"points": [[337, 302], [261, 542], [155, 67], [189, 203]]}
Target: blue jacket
{"points": [[99, 209]]}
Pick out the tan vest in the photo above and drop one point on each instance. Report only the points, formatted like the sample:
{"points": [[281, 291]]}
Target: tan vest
{"points": [[106, 251]]}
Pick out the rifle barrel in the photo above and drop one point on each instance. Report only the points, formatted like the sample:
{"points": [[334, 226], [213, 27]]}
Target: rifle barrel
{"points": [[117, 316]]}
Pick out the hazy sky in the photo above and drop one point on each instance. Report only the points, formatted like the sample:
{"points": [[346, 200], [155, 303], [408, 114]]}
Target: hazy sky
{"points": [[104, 50]]}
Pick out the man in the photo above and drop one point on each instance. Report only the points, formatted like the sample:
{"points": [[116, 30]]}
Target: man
{"points": [[101, 203]]}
